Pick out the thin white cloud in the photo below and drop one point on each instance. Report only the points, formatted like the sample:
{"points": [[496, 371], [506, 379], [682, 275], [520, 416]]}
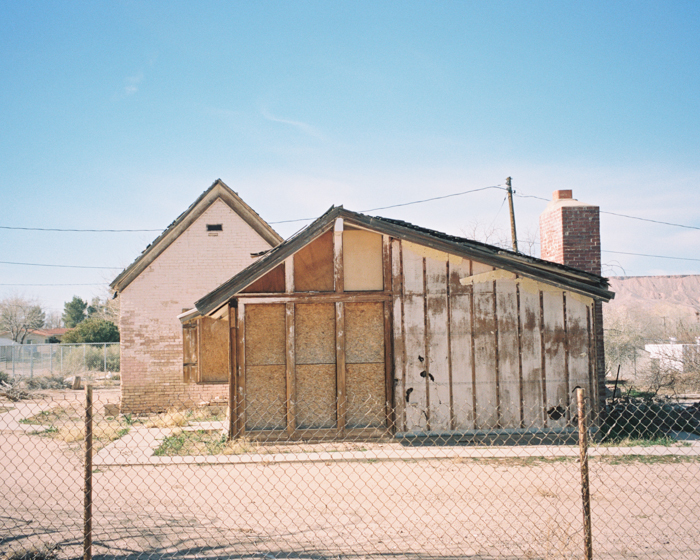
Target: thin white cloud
{"points": [[132, 83], [304, 127]]}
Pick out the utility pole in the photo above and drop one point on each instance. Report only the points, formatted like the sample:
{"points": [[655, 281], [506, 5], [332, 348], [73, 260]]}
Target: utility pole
{"points": [[512, 215]]}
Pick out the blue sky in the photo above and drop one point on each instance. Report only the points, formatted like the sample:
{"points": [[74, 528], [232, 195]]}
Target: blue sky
{"points": [[119, 114]]}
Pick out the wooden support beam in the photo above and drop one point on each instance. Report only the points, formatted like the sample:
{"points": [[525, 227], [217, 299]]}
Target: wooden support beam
{"points": [[317, 297], [289, 275], [240, 377], [340, 383], [389, 367], [232, 368], [338, 274], [386, 263], [290, 370]]}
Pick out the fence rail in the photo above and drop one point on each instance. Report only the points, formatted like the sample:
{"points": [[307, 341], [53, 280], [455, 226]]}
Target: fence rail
{"points": [[30, 360], [174, 485]]}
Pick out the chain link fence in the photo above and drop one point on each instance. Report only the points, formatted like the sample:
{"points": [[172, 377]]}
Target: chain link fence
{"points": [[173, 484], [49, 360]]}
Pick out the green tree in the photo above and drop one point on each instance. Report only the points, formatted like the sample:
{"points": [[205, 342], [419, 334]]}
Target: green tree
{"points": [[93, 330], [18, 316], [74, 312]]}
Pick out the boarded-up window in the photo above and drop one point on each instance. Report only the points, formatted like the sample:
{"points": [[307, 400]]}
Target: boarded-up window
{"points": [[265, 367], [271, 283], [213, 350], [313, 265], [315, 365], [362, 261], [189, 351], [364, 357]]}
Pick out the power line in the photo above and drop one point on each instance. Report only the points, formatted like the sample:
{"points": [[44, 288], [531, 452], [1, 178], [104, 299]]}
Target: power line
{"points": [[100, 284], [402, 204], [618, 214], [80, 230], [62, 265], [652, 256]]}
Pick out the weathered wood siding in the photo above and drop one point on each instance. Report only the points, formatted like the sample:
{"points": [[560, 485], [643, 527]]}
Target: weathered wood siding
{"points": [[480, 348]]}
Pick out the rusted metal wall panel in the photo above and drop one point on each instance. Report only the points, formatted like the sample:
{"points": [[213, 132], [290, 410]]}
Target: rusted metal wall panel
{"points": [[531, 345], [461, 345], [415, 394], [556, 396], [508, 353], [399, 335], [577, 309], [437, 370], [485, 359]]}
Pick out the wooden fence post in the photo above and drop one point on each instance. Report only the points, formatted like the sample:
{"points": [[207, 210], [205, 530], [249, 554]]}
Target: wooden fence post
{"points": [[585, 485], [87, 525]]}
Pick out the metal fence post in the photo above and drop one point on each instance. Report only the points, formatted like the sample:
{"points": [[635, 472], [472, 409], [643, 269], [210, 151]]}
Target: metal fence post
{"points": [[87, 502], [31, 363], [61, 360], [104, 347], [84, 359], [585, 485]]}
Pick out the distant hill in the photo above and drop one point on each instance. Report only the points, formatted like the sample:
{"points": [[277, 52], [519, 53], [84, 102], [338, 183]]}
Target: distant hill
{"points": [[672, 296]]}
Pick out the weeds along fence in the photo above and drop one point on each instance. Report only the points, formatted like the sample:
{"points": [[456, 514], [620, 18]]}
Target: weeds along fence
{"points": [[173, 484], [30, 360]]}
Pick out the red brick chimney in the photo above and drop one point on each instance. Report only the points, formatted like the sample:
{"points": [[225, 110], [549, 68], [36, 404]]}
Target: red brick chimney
{"points": [[570, 233]]}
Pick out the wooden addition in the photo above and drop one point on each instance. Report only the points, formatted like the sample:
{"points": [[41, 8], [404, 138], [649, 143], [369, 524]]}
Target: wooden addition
{"points": [[363, 326]]}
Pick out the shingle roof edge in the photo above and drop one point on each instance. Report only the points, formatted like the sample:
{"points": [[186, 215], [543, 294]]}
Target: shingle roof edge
{"points": [[530, 267]]}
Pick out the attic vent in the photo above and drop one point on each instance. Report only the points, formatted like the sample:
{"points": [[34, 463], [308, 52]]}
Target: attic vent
{"points": [[215, 227]]}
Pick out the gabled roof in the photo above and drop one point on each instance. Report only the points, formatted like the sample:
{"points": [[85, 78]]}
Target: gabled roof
{"points": [[218, 190], [556, 274]]}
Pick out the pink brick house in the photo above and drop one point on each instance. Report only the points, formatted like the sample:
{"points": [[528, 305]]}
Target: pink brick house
{"points": [[215, 238]]}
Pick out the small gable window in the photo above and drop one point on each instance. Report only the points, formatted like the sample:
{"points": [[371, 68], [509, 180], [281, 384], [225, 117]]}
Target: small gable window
{"points": [[215, 227]]}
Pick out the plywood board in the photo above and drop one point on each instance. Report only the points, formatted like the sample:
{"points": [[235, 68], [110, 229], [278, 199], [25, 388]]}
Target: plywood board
{"points": [[270, 283], [533, 402], [556, 402], [577, 333], [365, 395], [213, 348], [266, 396], [364, 333], [508, 353], [265, 334], [461, 348], [485, 365], [313, 265], [316, 405], [415, 396], [315, 333], [362, 261]]}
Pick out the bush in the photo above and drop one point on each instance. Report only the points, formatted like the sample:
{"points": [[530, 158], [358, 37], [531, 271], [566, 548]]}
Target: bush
{"points": [[93, 330], [4, 377], [648, 419]]}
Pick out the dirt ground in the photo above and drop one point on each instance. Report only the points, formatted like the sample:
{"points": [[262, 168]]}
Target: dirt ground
{"points": [[414, 502]]}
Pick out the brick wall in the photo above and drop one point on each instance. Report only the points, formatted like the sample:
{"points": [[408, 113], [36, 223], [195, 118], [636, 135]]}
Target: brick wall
{"points": [[151, 335]]}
